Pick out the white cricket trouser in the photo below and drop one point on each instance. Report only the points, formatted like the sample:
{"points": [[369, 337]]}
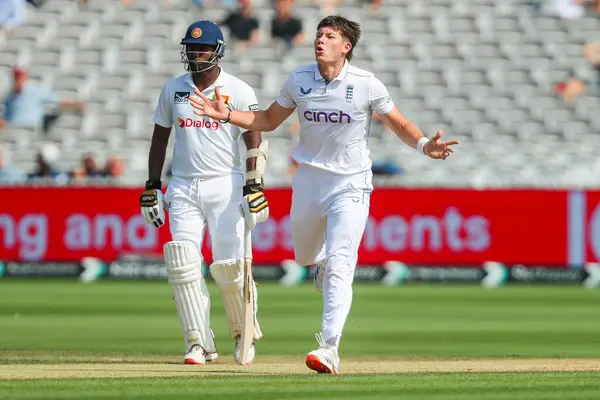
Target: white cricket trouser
{"points": [[328, 219], [196, 204]]}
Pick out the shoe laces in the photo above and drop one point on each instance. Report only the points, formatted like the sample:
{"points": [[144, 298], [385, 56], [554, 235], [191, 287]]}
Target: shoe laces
{"points": [[196, 347], [324, 344], [321, 340]]}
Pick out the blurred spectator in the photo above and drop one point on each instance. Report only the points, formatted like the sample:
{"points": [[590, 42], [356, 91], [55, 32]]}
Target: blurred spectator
{"points": [[8, 173], [25, 104], [567, 9], [243, 26], [215, 3], [327, 7], [387, 167], [115, 168], [592, 53], [39, 3], [89, 165], [570, 89], [201, 3], [46, 158], [87, 170], [285, 27], [11, 15], [374, 5], [573, 87], [592, 4], [36, 3]]}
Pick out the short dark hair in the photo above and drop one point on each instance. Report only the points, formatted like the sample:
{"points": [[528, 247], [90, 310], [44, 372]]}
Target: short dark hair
{"points": [[349, 30]]}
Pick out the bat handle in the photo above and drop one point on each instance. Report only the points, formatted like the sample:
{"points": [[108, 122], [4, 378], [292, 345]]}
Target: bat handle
{"points": [[248, 280], [247, 243]]}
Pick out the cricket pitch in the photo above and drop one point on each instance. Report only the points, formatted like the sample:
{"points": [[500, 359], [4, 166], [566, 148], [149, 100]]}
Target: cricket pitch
{"points": [[169, 367]]}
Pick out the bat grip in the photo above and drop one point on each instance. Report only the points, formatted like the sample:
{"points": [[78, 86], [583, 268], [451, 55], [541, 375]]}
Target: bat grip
{"points": [[247, 243]]}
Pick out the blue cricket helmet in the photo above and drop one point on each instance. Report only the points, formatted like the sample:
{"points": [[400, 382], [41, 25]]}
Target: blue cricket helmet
{"points": [[206, 33], [203, 32]]}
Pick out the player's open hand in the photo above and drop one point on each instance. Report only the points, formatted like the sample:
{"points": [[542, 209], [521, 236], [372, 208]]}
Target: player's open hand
{"points": [[438, 148], [205, 107]]}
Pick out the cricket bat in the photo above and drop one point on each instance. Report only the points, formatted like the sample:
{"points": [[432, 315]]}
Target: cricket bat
{"points": [[248, 309]]}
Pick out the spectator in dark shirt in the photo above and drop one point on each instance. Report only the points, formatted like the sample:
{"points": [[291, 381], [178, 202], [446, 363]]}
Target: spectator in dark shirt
{"points": [[48, 154], [284, 26], [88, 169], [242, 26]]}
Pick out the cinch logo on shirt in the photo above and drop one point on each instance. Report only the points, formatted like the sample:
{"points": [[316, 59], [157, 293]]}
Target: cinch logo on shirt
{"points": [[198, 123], [334, 117]]}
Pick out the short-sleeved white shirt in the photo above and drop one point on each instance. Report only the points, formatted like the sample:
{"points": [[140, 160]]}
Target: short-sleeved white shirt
{"points": [[204, 147], [335, 117]]}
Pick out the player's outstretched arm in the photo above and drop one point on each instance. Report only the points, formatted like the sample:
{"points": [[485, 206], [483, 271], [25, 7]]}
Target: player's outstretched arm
{"points": [[410, 134], [264, 121]]}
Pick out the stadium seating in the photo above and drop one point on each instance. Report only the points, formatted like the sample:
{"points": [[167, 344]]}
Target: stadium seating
{"points": [[481, 70]]}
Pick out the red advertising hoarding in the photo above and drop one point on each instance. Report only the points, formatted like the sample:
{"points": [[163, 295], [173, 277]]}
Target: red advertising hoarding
{"points": [[438, 227]]}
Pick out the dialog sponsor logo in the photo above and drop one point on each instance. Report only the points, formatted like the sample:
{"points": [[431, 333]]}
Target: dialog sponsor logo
{"points": [[198, 123]]}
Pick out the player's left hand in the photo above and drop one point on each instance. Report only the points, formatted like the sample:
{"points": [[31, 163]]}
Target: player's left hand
{"points": [[437, 148], [152, 205], [255, 206]]}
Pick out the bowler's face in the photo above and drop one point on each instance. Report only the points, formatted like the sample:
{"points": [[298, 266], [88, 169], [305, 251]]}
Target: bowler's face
{"points": [[330, 46]]}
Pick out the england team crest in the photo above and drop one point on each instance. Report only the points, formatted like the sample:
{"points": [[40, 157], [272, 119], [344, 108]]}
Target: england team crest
{"points": [[349, 93]]}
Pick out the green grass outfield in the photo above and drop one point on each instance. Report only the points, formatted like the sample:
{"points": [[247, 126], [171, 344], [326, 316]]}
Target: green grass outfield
{"points": [[63, 339]]}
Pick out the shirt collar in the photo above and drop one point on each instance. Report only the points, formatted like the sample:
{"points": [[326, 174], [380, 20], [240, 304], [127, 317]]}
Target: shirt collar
{"points": [[341, 75], [217, 83]]}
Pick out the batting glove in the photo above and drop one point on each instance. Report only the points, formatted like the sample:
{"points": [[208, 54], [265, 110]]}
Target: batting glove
{"points": [[255, 206], [152, 204]]}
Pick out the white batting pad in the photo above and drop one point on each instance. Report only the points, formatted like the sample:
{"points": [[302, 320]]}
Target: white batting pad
{"points": [[229, 277], [184, 270]]}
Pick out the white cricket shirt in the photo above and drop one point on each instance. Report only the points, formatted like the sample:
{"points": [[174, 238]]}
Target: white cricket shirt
{"points": [[335, 117], [204, 147]]}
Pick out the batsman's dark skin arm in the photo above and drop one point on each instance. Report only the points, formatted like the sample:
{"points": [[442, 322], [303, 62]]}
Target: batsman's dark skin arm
{"points": [[252, 139], [158, 151]]}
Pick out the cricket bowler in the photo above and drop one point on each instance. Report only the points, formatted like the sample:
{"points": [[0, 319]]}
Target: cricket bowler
{"points": [[332, 187]]}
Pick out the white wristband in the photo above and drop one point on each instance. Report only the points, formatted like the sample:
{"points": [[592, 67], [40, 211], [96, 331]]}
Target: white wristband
{"points": [[421, 144]]}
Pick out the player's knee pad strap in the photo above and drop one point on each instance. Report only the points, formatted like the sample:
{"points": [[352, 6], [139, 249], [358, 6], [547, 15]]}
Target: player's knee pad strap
{"points": [[184, 271], [229, 277]]}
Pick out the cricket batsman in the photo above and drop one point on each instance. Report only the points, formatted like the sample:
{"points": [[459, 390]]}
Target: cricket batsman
{"points": [[332, 187], [208, 190]]}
